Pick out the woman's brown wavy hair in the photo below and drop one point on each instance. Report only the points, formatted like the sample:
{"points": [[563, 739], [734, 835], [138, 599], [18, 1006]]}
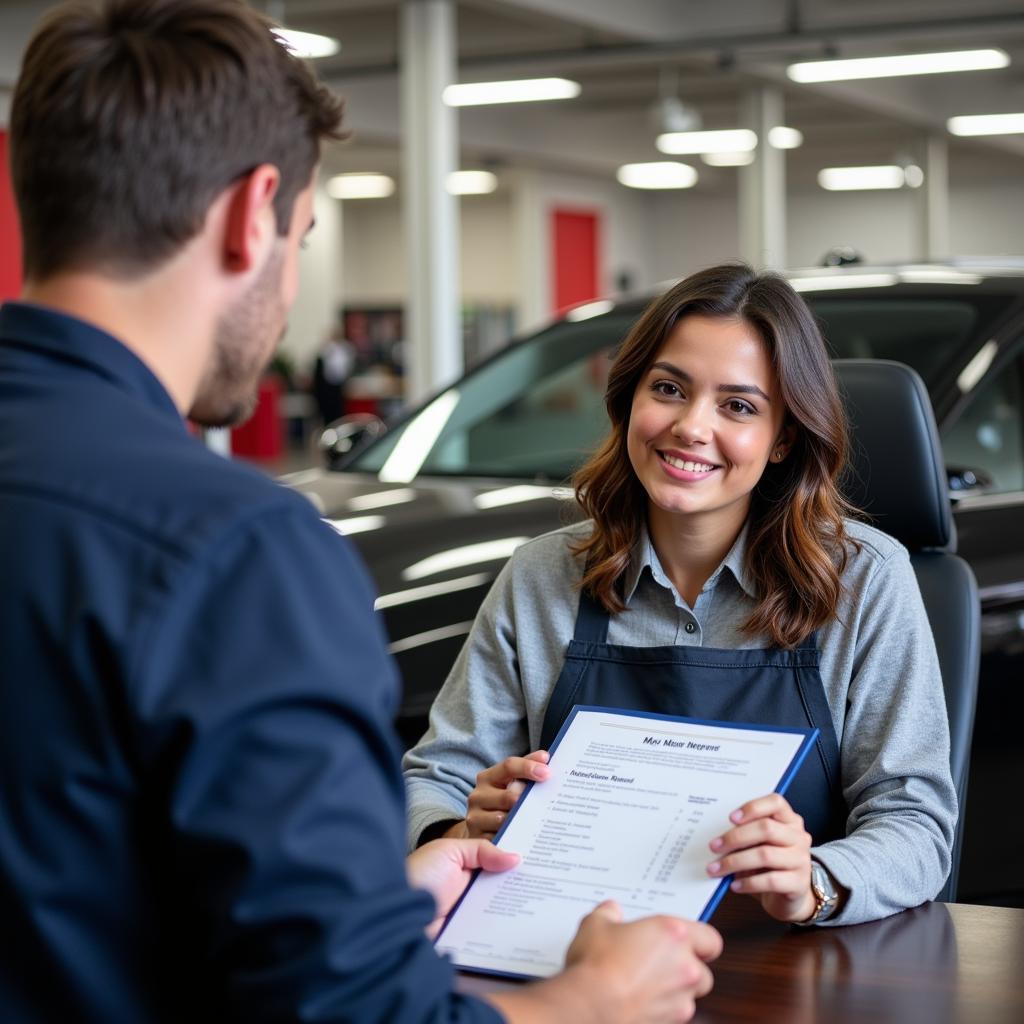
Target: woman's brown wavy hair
{"points": [[797, 544]]}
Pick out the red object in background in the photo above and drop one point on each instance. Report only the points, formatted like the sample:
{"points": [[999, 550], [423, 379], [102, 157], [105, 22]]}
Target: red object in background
{"points": [[262, 435], [574, 260], [10, 234], [362, 405]]}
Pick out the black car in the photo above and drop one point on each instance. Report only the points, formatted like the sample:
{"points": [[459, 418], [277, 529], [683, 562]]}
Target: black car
{"points": [[438, 503]]}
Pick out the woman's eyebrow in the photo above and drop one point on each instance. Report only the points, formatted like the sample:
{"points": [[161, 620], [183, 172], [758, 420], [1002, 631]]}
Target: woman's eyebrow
{"points": [[732, 389]]}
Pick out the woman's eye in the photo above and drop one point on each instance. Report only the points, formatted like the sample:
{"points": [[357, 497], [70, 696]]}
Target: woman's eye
{"points": [[665, 387], [736, 406]]}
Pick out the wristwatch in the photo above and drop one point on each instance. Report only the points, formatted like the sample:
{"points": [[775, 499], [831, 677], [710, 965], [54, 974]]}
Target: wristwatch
{"points": [[826, 897]]}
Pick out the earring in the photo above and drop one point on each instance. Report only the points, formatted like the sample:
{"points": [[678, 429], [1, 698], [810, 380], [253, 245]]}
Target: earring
{"points": [[777, 455]]}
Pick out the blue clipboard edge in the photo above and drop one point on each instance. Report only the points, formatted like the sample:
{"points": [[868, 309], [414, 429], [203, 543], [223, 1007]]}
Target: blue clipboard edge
{"points": [[810, 737]]}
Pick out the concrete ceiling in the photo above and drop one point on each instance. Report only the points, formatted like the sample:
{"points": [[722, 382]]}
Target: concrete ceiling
{"points": [[716, 51]]}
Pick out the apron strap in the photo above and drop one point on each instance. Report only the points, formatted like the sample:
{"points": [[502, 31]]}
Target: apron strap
{"points": [[591, 621]]}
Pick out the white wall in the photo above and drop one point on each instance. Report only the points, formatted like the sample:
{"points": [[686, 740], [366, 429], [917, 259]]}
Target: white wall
{"points": [[321, 266], [988, 220], [505, 243], [879, 225], [691, 231], [656, 237], [374, 252], [624, 243]]}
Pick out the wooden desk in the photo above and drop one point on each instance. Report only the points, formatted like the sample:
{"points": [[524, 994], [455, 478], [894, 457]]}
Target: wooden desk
{"points": [[936, 964]]}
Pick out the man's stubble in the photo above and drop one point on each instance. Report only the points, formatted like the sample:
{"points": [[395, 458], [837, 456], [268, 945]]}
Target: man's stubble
{"points": [[245, 339]]}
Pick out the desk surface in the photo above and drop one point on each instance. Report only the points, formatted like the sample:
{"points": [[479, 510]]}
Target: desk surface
{"points": [[937, 964]]}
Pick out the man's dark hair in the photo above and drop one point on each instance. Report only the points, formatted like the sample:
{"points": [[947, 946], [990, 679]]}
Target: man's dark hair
{"points": [[131, 116]]}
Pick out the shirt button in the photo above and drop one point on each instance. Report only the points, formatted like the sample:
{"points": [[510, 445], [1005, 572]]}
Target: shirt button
{"points": [[690, 627]]}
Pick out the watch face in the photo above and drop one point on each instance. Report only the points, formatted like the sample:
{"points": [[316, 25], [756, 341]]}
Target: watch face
{"points": [[824, 891], [822, 880]]}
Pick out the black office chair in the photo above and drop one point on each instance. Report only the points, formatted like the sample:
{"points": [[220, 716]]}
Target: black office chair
{"points": [[898, 477]]}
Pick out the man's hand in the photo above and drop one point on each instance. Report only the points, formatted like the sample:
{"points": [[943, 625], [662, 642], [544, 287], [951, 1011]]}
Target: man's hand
{"points": [[651, 971], [769, 851], [444, 867], [497, 790]]}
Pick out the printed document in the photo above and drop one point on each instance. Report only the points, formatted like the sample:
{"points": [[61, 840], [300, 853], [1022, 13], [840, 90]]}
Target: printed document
{"points": [[631, 805]]}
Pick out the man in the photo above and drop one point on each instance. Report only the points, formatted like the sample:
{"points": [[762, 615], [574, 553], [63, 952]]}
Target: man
{"points": [[200, 802]]}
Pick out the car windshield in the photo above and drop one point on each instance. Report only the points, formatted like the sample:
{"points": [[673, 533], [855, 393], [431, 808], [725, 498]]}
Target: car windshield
{"points": [[926, 334], [537, 410]]}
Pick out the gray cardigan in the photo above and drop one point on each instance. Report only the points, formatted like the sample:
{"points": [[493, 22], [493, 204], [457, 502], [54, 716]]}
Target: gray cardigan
{"points": [[878, 666]]}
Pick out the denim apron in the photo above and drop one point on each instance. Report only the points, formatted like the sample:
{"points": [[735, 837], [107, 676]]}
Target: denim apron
{"points": [[763, 686]]}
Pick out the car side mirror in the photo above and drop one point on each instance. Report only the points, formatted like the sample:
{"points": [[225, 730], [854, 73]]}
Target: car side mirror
{"points": [[963, 480], [343, 439]]}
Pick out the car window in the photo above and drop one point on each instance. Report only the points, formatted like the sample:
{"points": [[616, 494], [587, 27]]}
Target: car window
{"points": [[989, 434], [537, 410], [926, 333]]}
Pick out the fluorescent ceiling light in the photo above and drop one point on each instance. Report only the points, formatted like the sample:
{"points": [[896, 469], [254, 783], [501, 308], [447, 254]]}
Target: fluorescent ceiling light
{"points": [[828, 283], [781, 137], [728, 159], [733, 140], [524, 90], [657, 174], [913, 176], [842, 179], [986, 124], [307, 45], [891, 67], [360, 186], [589, 309], [472, 183]]}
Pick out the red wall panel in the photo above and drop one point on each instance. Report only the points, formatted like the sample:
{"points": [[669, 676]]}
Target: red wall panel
{"points": [[10, 236], [575, 258]]}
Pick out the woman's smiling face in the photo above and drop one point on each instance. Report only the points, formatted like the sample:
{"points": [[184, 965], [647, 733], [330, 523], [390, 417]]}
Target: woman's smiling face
{"points": [[706, 418]]}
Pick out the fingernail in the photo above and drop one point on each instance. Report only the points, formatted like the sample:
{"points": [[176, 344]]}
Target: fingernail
{"points": [[737, 886], [736, 816], [716, 844], [714, 867]]}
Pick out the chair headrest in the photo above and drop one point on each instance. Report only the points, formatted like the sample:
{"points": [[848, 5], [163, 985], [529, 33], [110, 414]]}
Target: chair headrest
{"points": [[897, 473]]}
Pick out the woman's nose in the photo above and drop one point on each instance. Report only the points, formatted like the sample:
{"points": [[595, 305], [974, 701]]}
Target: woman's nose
{"points": [[693, 423]]}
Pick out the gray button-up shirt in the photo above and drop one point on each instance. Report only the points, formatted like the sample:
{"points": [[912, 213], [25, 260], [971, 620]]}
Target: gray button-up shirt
{"points": [[878, 667]]}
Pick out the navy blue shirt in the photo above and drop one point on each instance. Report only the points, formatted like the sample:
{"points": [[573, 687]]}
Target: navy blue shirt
{"points": [[201, 813]]}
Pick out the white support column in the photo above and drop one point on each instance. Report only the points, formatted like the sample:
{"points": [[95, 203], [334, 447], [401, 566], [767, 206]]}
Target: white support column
{"points": [[933, 200], [762, 185], [533, 249], [430, 151]]}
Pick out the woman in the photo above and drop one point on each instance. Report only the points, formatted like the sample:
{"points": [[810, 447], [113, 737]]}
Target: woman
{"points": [[719, 576]]}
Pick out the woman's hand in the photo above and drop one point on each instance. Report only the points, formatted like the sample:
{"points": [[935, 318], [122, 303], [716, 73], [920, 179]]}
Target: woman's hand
{"points": [[769, 851], [444, 867], [497, 790]]}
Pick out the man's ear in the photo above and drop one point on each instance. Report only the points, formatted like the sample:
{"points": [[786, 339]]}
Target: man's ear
{"points": [[251, 222]]}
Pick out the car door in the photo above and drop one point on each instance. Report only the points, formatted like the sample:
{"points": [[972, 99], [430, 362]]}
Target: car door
{"points": [[988, 436]]}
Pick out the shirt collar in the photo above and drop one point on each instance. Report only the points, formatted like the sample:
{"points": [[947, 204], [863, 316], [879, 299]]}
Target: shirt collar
{"points": [[643, 556], [71, 340]]}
